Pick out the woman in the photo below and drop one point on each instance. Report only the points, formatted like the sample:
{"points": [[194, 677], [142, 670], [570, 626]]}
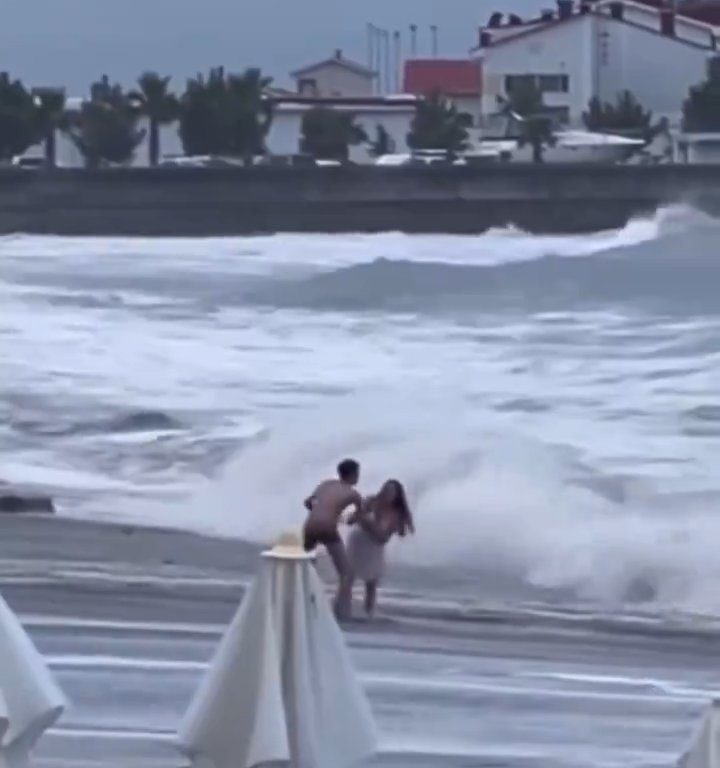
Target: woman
{"points": [[383, 516]]}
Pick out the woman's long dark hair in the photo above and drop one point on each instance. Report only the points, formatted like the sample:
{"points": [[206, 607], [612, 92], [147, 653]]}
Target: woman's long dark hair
{"points": [[400, 504]]}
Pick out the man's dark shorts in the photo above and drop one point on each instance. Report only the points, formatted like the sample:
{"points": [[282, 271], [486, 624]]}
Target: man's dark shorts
{"points": [[312, 539]]}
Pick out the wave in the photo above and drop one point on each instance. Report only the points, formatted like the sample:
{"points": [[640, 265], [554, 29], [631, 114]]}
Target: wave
{"points": [[63, 425], [223, 265], [669, 261], [496, 509]]}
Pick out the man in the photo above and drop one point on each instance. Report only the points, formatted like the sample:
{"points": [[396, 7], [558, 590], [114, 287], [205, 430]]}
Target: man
{"points": [[325, 506]]}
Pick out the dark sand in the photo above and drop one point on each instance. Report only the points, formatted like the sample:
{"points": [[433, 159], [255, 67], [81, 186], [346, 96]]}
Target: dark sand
{"points": [[128, 618]]}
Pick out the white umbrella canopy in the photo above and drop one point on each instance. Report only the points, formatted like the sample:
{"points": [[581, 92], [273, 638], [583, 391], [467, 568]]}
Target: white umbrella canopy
{"points": [[281, 689], [704, 748], [30, 700]]}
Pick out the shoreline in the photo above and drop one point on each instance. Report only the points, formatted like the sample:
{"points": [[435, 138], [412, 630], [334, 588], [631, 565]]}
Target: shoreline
{"points": [[97, 555]]}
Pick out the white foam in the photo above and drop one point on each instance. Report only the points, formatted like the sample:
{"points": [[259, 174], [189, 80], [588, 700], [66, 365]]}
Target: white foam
{"points": [[485, 496], [526, 405], [269, 254]]}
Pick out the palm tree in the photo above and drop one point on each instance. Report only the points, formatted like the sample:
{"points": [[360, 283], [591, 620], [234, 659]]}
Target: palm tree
{"points": [[252, 112], [226, 114], [159, 106], [701, 110], [537, 131], [105, 129], [626, 117], [18, 118], [438, 124], [328, 134], [526, 105]]}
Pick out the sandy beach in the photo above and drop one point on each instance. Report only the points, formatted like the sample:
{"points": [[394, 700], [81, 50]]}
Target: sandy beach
{"points": [[128, 618]]}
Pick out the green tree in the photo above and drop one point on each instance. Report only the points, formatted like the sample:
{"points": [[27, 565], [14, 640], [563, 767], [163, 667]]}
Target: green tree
{"points": [[328, 134], [105, 128], [383, 143], [701, 110], [626, 117], [158, 105], [525, 102], [19, 118], [50, 104], [438, 124], [226, 114]]}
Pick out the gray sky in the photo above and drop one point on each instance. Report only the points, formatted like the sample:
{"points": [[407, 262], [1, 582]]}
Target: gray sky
{"points": [[72, 42]]}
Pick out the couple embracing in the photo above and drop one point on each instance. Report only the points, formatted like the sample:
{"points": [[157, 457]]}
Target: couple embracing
{"points": [[374, 521]]}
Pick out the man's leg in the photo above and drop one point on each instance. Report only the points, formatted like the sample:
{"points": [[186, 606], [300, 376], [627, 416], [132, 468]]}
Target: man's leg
{"points": [[343, 599]]}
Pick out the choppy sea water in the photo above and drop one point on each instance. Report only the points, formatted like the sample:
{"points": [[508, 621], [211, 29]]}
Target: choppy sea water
{"points": [[552, 403]]}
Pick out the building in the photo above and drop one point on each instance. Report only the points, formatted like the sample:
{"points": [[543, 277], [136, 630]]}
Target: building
{"points": [[336, 77], [596, 49], [701, 148], [457, 79], [393, 113]]}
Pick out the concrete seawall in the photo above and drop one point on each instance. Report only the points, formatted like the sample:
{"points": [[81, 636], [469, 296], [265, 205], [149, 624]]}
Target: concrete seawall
{"points": [[228, 201]]}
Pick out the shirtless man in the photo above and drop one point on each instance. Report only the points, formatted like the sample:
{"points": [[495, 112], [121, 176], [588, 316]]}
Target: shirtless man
{"points": [[325, 506]]}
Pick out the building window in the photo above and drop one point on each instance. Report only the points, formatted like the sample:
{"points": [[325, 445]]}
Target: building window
{"points": [[544, 83], [554, 83], [307, 86], [519, 82]]}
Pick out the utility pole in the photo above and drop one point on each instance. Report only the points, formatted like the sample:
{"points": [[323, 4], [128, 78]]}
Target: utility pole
{"points": [[378, 58], [398, 61], [434, 36], [413, 41]]}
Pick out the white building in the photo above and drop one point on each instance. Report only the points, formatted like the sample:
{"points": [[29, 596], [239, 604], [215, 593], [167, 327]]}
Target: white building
{"points": [[597, 49], [393, 113], [697, 148], [334, 77]]}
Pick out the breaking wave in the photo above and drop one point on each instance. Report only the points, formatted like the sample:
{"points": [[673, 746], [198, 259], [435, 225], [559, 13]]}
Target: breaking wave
{"points": [[647, 262], [506, 510]]}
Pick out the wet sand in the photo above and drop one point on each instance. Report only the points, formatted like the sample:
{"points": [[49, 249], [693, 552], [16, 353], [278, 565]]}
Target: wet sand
{"points": [[128, 618]]}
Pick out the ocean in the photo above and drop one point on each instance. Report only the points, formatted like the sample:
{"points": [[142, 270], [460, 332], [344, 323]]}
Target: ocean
{"points": [[551, 403]]}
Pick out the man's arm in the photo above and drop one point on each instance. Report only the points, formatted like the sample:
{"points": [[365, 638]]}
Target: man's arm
{"points": [[360, 505]]}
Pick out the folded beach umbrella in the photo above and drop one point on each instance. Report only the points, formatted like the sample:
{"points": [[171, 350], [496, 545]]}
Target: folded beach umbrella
{"points": [[281, 688], [30, 700], [704, 749]]}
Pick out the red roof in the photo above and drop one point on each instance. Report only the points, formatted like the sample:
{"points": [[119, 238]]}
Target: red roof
{"points": [[451, 77]]}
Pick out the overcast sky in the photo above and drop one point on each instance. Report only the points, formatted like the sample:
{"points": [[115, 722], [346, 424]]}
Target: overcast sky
{"points": [[72, 42]]}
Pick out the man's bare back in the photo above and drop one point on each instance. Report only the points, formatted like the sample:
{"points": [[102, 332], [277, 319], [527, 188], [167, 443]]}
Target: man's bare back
{"points": [[327, 503]]}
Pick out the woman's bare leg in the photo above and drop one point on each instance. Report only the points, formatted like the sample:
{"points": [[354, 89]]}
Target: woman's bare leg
{"points": [[370, 598]]}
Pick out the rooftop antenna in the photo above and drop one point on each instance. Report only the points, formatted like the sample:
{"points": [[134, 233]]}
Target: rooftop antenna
{"points": [[413, 41], [398, 60], [378, 58], [369, 35], [434, 35]]}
